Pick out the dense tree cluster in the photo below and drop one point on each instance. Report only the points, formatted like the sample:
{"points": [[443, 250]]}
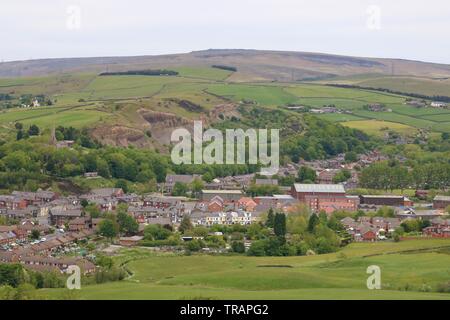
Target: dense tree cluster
{"points": [[392, 175], [37, 160], [308, 234], [15, 275], [303, 136]]}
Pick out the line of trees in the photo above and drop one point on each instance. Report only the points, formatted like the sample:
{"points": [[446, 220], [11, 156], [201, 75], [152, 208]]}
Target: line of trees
{"points": [[223, 67], [157, 72]]}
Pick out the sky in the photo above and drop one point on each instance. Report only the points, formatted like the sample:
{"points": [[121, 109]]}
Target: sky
{"points": [[408, 29]]}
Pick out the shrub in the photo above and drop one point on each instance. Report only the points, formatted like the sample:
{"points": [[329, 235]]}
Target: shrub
{"points": [[257, 249], [238, 246], [195, 245], [444, 287]]}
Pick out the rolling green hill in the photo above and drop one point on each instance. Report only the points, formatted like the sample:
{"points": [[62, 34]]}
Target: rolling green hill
{"points": [[252, 65], [409, 270]]}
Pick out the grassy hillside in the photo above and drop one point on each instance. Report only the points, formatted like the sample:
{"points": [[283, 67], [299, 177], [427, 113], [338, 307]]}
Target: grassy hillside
{"points": [[106, 102], [252, 65], [409, 270]]}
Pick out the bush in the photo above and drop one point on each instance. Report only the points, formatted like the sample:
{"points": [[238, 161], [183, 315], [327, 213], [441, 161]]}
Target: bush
{"points": [[107, 275], [302, 249], [195, 245], [444, 287], [156, 232], [288, 250], [238, 246], [257, 249], [11, 275], [46, 280], [159, 243]]}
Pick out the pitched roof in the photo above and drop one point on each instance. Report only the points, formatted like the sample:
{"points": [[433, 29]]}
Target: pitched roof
{"points": [[388, 196], [183, 178], [266, 182], [133, 238], [222, 191], [106, 192], [319, 188], [283, 197], [348, 220], [442, 198], [58, 211]]}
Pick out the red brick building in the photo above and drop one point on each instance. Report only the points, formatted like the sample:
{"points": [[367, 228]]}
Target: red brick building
{"points": [[301, 191], [386, 200], [327, 197], [369, 235]]}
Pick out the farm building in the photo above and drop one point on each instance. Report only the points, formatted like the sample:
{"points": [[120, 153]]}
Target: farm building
{"points": [[130, 241], [441, 202]]}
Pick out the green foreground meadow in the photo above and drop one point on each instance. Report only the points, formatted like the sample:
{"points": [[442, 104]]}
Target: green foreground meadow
{"points": [[411, 269]]}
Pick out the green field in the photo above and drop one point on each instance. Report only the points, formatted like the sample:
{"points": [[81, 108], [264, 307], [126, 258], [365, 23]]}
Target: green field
{"points": [[46, 117], [409, 270], [408, 84], [339, 117], [379, 128], [262, 94], [203, 73]]}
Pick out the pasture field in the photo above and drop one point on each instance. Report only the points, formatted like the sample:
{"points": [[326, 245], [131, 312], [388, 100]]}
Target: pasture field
{"points": [[206, 87], [410, 269], [441, 127], [379, 128], [46, 117], [364, 96], [395, 117], [409, 84], [203, 73], [265, 95], [126, 87], [443, 117], [419, 113], [339, 117]]}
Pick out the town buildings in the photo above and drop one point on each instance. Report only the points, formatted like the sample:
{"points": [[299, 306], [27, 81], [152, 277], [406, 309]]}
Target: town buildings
{"points": [[370, 228], [439, 228]]}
